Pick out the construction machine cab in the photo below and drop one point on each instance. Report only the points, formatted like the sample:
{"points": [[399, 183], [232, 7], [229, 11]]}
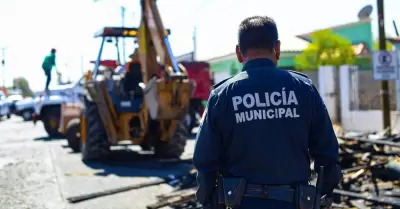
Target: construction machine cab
{"points": [[129, 96], [113, 34]]}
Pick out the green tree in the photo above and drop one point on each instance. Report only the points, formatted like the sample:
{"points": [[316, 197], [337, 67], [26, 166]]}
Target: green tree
{"points": [[389, 46], [326, 48], [23, 84]]}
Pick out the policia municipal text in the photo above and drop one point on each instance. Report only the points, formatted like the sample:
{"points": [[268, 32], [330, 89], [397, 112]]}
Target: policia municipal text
{"points": [[260, 128]]}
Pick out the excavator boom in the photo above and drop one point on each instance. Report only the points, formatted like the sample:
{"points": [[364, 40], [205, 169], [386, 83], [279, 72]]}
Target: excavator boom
{"points": [[154, 44]]}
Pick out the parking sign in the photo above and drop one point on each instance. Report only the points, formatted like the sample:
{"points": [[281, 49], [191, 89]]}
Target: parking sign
{"points": [[385, 65]]}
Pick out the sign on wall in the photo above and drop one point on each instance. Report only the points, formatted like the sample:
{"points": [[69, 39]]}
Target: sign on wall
{"points": [[385, 65]]}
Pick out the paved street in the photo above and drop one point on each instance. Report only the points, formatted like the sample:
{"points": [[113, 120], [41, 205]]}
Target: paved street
{"points": [[40, 173]]}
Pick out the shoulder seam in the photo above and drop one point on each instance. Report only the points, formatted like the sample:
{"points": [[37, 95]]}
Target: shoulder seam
{"points": [[302, 75], [298, 73], [222, 82]]}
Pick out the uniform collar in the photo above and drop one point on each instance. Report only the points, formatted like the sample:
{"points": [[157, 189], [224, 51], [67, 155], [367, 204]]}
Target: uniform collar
{"points": [[257, 63]]}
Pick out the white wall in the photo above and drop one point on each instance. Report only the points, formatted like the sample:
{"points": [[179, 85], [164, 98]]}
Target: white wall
{"points": [[326, 88], [360, 120]]}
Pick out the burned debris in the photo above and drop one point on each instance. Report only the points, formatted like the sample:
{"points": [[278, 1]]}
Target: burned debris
{"points": [[371, 177]]}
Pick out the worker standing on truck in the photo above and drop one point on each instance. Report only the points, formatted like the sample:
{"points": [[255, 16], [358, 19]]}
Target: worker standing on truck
{"points": [[253, 146], [48, 63]]}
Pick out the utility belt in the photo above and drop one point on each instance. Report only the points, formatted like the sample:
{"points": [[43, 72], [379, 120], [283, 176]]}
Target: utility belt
{"points": [[231, 191]]}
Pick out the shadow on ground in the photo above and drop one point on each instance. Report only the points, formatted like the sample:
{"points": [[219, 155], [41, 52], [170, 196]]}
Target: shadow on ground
{"points": [[47, 138], [129, 163], [20, 120]]}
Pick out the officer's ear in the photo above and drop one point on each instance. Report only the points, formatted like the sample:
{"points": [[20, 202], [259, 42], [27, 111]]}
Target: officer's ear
{"points": [[239, 54], [278, 50]]}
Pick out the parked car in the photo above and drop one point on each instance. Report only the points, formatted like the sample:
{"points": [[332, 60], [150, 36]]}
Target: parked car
{"points": [[24, 108], [14, 98], [4, 106], [47, 107]]}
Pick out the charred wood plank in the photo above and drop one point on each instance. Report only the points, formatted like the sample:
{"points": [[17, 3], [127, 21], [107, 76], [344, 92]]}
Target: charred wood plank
{"points": [[80, 198], [371, 198], [381, 186], [393, 193], [372, 141], [176, 200], [349, 170], [174, 194]]}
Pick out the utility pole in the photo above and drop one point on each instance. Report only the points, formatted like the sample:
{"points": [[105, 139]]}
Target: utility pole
{"points": [[195, 43], [397, 50], [123, 39], [3, 64], [384, 83]]}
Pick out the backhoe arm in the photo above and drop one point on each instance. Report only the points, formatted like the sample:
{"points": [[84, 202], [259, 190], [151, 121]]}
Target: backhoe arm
{"points": [[168, 97], [154, 43]]}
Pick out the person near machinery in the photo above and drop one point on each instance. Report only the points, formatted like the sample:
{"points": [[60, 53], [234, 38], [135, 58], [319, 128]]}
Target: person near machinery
{"points": [[48, 63], [259, 130]]}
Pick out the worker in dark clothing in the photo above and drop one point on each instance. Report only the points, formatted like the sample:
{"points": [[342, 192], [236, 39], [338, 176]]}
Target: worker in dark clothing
{"points": [[47, 65], [260, 127]]}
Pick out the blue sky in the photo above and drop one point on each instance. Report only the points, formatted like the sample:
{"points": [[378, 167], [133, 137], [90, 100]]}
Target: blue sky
{"points": [[29, 31]]}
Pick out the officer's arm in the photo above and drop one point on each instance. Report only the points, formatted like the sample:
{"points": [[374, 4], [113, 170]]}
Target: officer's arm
{"points": [[207, 151], [323, 144]]}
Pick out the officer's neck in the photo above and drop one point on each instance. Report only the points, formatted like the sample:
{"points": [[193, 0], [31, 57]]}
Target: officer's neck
{"points": [[256, 55]]}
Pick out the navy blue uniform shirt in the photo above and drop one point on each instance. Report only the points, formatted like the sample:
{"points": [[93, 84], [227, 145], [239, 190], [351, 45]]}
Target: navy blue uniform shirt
{"points": [[262, 124]]}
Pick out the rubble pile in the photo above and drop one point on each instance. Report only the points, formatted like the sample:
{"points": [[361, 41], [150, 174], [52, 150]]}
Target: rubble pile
{"points": [[371, 176], [371, 171]]}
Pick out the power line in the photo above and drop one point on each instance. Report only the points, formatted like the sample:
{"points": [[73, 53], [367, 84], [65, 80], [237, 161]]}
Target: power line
{"points": [[3, 63]]}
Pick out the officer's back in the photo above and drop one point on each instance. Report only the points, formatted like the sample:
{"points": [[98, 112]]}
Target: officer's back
{"points": [[263, 123], [268, 112]]}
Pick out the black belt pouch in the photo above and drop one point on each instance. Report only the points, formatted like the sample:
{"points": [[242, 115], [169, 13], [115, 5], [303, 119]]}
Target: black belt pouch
{"points": [[305, 195], [232, 190]]}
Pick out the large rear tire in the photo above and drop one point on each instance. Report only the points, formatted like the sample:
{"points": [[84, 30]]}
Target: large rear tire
{"points": [[73, 134], [97, 146], [175, 146], [51, 121]]}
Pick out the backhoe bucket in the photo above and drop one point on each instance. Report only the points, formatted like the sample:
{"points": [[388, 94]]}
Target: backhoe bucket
{"points": [[168, 100]]}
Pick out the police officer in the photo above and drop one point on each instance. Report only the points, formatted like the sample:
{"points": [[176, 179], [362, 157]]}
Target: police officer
{"points": [[263, 124]]}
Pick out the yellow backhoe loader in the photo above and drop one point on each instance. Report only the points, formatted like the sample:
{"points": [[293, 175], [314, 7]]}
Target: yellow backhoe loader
{"points": [[140, 104]]}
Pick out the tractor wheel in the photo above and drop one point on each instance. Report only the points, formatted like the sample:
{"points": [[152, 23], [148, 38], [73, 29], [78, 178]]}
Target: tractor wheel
{"points": [[176, 145], [51, 121], [73, 135], [97, 146]]}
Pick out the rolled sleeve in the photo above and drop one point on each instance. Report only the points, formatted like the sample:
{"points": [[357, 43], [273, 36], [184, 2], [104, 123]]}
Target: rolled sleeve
{"points": [[207, 151]]}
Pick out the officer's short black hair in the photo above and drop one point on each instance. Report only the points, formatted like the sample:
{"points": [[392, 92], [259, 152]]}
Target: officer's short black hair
{"points": [[257, 32], [53, 51]]}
